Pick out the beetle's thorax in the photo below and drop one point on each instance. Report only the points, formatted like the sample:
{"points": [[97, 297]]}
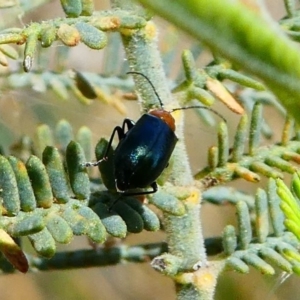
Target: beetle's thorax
{"points": [[164, 116]]}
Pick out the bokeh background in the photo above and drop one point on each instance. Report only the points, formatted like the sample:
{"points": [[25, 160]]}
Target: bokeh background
{"points": [[21, 110]]}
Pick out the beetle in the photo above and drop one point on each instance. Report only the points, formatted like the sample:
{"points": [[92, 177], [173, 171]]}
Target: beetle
{"points": [[144, 149]]}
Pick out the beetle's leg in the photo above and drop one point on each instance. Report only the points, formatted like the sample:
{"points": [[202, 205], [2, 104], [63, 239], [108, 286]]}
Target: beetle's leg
{"points": [[154, 187], [129, 124], [154, 190], [121, 135]]}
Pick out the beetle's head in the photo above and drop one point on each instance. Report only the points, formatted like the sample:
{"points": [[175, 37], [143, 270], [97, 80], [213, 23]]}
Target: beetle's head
{"points": [[164, 116]]}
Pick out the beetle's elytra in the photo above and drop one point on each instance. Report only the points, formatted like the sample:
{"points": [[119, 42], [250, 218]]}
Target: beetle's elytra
{"points": [[143, 153], [144, 150]]}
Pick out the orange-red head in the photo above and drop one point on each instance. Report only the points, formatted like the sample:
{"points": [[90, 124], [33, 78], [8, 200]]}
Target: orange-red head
{"points": [[164, 116]]}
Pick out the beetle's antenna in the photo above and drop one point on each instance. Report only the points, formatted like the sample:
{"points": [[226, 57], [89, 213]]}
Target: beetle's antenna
{"points": [[155, 92], [201, 107]]}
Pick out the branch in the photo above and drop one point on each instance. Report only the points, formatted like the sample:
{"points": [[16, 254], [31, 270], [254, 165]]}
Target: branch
{"points": [[243, 36], [271, 161]]}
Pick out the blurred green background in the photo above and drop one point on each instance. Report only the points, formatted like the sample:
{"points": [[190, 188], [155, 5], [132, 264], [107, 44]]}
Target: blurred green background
{"points": [[23, 109]]}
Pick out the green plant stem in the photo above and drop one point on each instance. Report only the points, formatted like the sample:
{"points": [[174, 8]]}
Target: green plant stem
{"points": [[184, 234], [100, 257], [104, 256]]}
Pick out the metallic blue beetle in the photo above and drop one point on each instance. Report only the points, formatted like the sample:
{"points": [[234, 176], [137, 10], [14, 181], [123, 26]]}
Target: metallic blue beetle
{"points": [[144, 150]]}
